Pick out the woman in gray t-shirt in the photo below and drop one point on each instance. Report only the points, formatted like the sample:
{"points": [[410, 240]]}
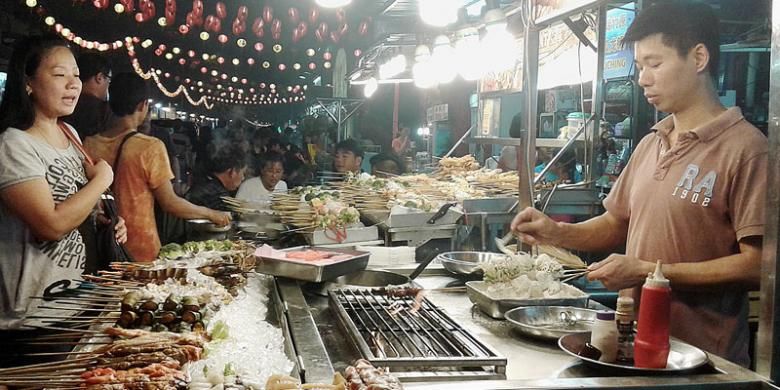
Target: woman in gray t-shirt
{"points": [[46, 190]]}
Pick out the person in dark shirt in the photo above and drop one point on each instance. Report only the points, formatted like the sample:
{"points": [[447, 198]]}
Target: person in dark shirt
{"points": [[226, 165], [92, 114], [386, 165]]}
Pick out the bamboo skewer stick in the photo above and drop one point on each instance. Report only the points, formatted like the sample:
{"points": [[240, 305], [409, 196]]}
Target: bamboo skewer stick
{"points": [[47, 366], [117, 281], [107, 299], [74, 308], [85, 331]]}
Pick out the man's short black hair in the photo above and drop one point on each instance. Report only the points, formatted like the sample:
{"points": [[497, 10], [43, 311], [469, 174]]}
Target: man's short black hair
{"points": [[126, 91], [91, 64], [682, 25], [271, 158], [388, 157], [223, 156], [350, 145]]}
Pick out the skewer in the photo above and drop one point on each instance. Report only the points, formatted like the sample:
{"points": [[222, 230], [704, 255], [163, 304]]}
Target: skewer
{"points": [[107, 299], [574, 276], [60, 353], [53, 337], [67, 343], [84, 331], [47, 366], [92, 321], [75, 308], [117, 281]]}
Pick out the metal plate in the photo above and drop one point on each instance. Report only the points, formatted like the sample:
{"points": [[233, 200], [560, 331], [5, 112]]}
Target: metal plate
{"points": [[497, 307], [204, 225], [314, 272], [682, 357], [550, 322], [467, 263]]}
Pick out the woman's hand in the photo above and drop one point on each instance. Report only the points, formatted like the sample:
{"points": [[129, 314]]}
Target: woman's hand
{"points": [[120, 230], [100, 172]]}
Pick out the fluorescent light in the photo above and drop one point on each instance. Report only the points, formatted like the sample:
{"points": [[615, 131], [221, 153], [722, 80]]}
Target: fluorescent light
{"points": [[439, 13], [333, 3], [392, 67], [370, 87]]}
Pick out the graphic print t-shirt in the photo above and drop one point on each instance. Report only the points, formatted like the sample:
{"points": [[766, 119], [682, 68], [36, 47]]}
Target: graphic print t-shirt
{"points": [[29, 266]]}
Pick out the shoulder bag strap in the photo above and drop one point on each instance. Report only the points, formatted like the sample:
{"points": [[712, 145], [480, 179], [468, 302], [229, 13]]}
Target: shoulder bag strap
{"points": [[73, 140], [115, 167]]}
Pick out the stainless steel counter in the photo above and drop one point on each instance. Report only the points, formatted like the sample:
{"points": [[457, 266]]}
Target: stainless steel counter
{"points": [[531, 363]]}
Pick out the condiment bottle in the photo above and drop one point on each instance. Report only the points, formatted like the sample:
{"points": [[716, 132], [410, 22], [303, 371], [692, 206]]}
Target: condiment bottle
{"points": [[604, 336], [651, 345], [625, 327]]}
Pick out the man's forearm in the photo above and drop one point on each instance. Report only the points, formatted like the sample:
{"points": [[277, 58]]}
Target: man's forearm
{"points": [[743, 269], [181, 208], [599, 234]]}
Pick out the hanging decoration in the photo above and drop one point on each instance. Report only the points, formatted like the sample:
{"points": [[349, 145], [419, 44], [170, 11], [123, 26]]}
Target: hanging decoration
{"points": [[152, 74]]}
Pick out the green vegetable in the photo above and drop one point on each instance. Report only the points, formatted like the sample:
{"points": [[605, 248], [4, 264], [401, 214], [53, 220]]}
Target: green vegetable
{"points": [[229, 371], [220, 331]]}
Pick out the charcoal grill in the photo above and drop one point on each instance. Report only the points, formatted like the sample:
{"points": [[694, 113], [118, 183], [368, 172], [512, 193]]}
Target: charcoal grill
{"points": [[417, 345]]}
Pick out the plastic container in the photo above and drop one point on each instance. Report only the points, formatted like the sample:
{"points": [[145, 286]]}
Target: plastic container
{"points": [[605, 336], [651, 345], [625, 325]]}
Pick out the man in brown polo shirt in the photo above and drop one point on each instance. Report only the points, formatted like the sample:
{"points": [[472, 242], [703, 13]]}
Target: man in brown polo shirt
{"points": [[692, 195]]}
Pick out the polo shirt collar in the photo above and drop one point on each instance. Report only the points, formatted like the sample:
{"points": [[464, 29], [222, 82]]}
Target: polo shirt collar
{"points": [[707, 131]]}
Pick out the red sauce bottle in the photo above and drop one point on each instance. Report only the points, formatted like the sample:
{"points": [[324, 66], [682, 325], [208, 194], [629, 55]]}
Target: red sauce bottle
{"points": [[651, 345]]}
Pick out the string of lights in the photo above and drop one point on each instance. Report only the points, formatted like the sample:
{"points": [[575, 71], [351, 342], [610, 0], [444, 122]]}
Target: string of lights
{"points": [[152, 74]]}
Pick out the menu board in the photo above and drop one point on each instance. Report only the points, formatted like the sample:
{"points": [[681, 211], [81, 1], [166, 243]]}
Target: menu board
{"points": [[545, 10]]}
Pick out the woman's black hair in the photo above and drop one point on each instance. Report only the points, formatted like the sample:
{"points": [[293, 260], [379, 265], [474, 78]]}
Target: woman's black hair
{"points": [[16, 109]]}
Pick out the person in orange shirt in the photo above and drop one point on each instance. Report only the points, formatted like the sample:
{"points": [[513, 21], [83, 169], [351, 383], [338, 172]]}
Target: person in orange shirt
{"points": [[142, 169]]}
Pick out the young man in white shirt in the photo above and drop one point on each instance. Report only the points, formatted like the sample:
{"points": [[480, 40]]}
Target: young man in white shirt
{"points": [[259, 189]]}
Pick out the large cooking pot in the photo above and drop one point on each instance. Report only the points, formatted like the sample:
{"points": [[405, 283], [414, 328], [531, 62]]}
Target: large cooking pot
{"points": [[203, 229], [366, 279]]}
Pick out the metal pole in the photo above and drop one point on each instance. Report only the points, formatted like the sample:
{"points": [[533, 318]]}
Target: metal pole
{"points": [[527, 160], [460, 141], [768, 346], [597, 98], [565, 147]]}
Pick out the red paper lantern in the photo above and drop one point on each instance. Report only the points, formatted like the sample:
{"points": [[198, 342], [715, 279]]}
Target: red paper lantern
{"points": [[363, 28], [238, 27], [268, 14], [294, 15], [184, 29], [221, 10], [259, 46], [197, 8], [335, 36], [189, 20], [222, 38], [312, 66], [343, 29], [257, 27], [170, 12], [276, 26], [100, 4], [341, 16], [243, 11], [276, 36], [203, 70], [314, 14], [303, 27], [182, 61], [129, 5], [191, 53], [296, 35], [220, 60]]}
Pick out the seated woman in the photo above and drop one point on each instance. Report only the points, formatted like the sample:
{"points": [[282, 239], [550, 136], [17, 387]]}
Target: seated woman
{"points": [[226, 165], [259, 189]]}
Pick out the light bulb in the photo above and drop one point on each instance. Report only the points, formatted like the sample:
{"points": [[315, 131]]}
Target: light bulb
{"points": [[371, 86], [333, 3], [439, 13]]}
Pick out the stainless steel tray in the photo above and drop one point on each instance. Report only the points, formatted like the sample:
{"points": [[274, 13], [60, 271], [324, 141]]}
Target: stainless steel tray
{"points": [[411, 219], [550, 322], [313, 272], [682, 357], [355, 234], [497, 307], [489, 205]]}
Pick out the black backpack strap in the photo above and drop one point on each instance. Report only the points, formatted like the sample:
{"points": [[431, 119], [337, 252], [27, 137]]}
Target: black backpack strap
{"points": [[115, 166]]}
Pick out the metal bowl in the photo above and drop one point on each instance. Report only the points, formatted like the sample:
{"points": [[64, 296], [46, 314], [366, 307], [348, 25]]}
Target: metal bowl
{"points": [[550, 322], [467, 263]]}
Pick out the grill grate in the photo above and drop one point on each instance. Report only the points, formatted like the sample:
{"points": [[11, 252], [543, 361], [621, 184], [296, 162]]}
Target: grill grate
{"points": [[397, 331]]}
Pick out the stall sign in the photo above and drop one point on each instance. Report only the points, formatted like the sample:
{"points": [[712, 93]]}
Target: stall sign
{"points": [[563, 60], [618, 61], [437, 113], [545, 10], [508, 81]]}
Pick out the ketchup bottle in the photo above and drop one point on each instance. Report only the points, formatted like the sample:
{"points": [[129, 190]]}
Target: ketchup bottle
{"points": [[651, 346]]}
